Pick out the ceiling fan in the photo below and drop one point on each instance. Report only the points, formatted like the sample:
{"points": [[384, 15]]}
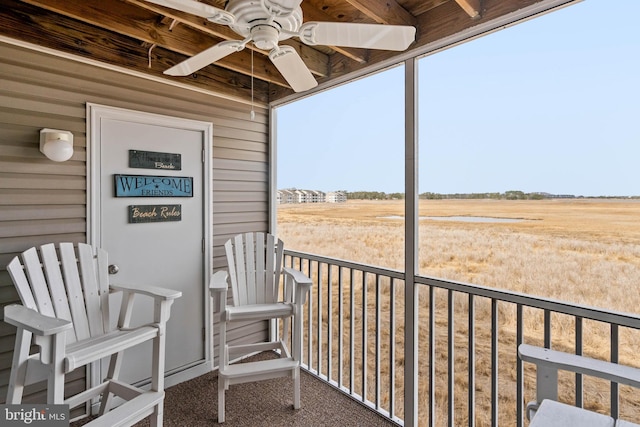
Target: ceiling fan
{"points": [[266, 22]]}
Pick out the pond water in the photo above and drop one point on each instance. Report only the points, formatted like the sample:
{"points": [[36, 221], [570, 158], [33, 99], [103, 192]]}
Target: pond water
{"points": [[462, 218]]}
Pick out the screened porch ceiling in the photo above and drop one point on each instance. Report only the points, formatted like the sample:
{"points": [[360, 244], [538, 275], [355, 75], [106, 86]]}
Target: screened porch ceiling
{"points": [[147, 38]]}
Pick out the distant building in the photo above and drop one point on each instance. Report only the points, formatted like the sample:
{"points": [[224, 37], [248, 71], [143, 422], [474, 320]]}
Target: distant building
{"points": [[285, 196], [309, 196], [336, 197]]}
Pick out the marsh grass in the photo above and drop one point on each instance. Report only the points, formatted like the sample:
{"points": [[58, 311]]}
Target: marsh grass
{"points": [[584, 252]]}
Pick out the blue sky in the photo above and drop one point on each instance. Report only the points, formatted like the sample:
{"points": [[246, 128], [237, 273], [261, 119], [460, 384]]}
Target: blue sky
{"points": [[552, 104]]}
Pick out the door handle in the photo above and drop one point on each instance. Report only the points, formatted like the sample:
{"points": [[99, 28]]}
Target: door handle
{"points": [[113, 269]]}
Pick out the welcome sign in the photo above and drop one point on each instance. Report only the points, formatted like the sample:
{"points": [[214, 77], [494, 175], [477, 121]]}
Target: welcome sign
{"points": [[153, 186]]}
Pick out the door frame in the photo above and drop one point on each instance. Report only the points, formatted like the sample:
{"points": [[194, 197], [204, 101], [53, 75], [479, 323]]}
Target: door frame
{"points": [[96, 112]]}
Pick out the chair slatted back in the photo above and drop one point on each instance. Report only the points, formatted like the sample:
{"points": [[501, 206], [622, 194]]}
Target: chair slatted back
{"points": [[65, 284], [255, 264]]}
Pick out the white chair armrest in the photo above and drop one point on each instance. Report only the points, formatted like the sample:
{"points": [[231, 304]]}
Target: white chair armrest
{"points": [[299, 277], [549, 362], [34, 322], [303, 283], [218, 288], [162, 308], [559, 360], [218, 282], [152, 291]]}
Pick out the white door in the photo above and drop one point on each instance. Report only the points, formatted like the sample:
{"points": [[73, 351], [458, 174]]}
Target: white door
{"points": [[153, 236]]}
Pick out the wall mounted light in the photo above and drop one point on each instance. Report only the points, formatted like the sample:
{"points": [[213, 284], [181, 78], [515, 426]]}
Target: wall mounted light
{"points": [[57, 145]]}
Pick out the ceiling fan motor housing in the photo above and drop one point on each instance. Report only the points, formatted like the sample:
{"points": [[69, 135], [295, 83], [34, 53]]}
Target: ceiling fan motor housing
{"points": [[253, 19]]}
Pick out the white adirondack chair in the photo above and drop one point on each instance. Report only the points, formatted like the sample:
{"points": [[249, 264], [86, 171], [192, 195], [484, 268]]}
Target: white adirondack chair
{"points": [[66, 311], [546, 411], [255, 269]]}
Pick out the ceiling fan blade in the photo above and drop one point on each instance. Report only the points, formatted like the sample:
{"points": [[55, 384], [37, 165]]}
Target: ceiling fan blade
{"points": [[292, 68], [369, 36], [193, 7], [205, 58]]}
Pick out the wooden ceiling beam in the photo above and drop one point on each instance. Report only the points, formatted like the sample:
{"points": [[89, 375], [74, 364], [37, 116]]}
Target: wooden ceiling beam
{"points": [[472, 7]]}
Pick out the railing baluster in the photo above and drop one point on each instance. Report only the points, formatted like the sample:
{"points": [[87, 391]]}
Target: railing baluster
{"points": [[494, 362], [352, 332], [320, 323], [519, 368], [329, 321], [392, 348], [378, 341], [579, 378], [547, 328], [432, 357], [451, 359], [364, 336], [340, 325], [310, 325], [615, 389], [472, 362]]}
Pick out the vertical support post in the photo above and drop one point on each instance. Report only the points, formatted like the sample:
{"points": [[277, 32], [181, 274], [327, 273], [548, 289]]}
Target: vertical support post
{"points": [[411, 243], [273, 172]]}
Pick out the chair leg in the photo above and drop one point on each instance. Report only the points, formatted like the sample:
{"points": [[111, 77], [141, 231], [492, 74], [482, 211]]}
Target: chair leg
{"points": [[296, 388], [55, 381], [157, 415], [157, 366], [18, 374], [157, 376], [223, 361], [222, 386]]}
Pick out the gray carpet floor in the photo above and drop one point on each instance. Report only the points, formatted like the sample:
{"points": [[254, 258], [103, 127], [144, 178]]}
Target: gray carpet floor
{"points": [[194, 403]]}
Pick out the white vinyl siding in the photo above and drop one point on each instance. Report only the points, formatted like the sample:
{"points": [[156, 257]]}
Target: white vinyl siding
{"points": [[42, 201]]}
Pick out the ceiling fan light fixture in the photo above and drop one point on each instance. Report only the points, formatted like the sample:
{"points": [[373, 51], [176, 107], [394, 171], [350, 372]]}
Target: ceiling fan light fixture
{"points": [[265, 36]]}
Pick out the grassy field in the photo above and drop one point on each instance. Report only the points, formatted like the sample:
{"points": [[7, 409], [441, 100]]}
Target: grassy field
{"points": [[584, 251]]}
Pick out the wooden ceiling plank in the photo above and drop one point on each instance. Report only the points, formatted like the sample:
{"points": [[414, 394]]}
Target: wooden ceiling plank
{"points": [[418, 7], [145, 26], [472, 7], [385, 12], [202, 24], [39, 27]]}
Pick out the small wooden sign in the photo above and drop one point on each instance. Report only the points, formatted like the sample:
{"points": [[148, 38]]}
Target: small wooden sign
{"points": [[153, 186], [154, 213], [154, 160]]}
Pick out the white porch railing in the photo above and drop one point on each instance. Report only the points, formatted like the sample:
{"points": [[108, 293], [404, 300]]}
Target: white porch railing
{"points": [[464, 378]]}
